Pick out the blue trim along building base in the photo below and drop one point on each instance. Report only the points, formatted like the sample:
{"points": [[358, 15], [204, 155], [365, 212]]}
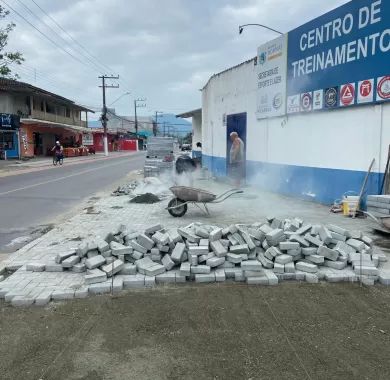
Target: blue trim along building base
{"points": [[322, 185]]}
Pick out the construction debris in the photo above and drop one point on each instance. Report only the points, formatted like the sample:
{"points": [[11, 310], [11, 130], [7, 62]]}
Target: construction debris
{"points": [[258, 254], [379, 205], [147, 198]]}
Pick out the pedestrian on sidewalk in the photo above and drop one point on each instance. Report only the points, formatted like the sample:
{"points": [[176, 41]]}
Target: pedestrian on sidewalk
{"points": [[237, 159]]}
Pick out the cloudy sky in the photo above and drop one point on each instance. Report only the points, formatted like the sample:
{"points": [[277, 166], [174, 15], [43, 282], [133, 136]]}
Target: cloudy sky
{"points": [[163, 50]]}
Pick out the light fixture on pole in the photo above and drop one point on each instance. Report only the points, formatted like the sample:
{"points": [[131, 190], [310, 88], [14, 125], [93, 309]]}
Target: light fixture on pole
{"points": [[125, 94], [241, 28]]}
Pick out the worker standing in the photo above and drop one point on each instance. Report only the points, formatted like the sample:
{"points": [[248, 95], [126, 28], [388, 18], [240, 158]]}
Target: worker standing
{"points": [[237, 159]]}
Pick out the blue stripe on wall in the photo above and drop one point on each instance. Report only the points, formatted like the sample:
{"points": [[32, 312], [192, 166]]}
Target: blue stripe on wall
{"points": [[315, 184]]}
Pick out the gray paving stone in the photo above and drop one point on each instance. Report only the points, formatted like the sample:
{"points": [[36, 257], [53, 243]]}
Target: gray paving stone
{"points": [[215, 262], [81, 292], [128, 268], [328, 253], [95, 262], [325, 235], [95, 277], [150, 281], [309, 251], [178, 253], [117, 284], [301, 240], [260, 280], [289, 267], [311, 278], [356, 244], [314, 240], [63, 256], [216, 234], [338, 265], [152, 229], [200, 269], [272, 279], [366, 270], [265, 262], [239, 249], [252, 265], [167, 277], [120, 249], [70, 261], [384, 277], [167, 262], [234, 258], [64, 294], [137, 247], [35, 267], [288, 245], [43, 298], [218, 248], [316, 259], [112, 269], [306, 267], [201, 232], [283, 259], [205, 278], [133, 281], [185, 269], [79, 268], [160, 238], [278, 268], [22, 301], [51, 267], [100, 288], [220, 275], [137, 255]]}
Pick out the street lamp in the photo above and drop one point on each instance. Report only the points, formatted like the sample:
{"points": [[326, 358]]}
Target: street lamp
{"points": [[241, 28], [125, 94]]}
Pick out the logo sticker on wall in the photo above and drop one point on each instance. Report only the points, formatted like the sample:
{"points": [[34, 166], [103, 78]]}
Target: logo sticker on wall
{"points": [[318, 100], [383, 88], [331, 97], [293, 104], [306, 102], [277, 101], [347, 94], [365, 92], [262, 58]]}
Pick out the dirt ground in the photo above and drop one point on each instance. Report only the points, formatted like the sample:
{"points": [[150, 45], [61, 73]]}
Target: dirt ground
{"points": [[229, 331]]}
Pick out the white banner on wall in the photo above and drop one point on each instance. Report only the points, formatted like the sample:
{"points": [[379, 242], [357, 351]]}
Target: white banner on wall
{"points": [[271, 78], [87, 139]]}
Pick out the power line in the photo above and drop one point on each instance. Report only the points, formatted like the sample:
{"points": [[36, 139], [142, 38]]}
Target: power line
{"points": [[57, 34], [103, 65], [44, 35]]}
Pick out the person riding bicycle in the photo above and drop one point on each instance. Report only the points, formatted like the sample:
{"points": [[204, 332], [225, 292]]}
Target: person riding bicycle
{"points": [[58, 149]]}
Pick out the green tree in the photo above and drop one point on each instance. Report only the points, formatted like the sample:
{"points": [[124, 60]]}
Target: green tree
{"points": [[7, 59]]}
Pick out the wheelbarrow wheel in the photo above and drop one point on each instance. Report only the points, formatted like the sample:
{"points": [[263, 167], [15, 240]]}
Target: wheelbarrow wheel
{"points": [[178, 211]]}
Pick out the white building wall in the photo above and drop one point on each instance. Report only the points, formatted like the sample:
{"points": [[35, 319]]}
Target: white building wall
{"points": [[346, 139]]}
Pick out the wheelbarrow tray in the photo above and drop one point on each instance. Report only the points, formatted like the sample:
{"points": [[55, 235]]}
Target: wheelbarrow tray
{"points": [[192, 194]]}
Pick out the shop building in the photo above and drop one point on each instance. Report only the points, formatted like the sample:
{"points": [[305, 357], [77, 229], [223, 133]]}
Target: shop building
{"points": [[44, 117], [312, 107]]}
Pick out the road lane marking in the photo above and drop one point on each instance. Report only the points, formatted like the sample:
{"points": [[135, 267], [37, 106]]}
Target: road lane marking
{"points": [[62, 178]]}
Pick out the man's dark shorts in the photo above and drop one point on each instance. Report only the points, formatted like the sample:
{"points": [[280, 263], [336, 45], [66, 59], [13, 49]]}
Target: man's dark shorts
{"points": [[237, 170]]}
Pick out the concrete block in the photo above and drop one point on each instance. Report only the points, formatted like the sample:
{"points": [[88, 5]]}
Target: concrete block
{"points": [[137, 247], [338, 230], [230, 272], [288, 245], [155, 270], [294, 252], [239, 249], [166, 278], [152, 229], [302, 230], [63, 256], [82, 249], [337, 237], [300, 239], [278, 268], [215, 262], [80, 293], [145, 241], [228, 264], [35, 267], [174, 236], [265, 262], [343, 248], [204, 243], [137, 255], [276, 223], [220, 275], [233, 258], [275, 237], [232, 240], [356, 244], [95, 262], [168, 262], [43, 298], [117, 284], [283, 259], [384, 277], [218, 248], [201, 232], [260, 280], [328, 253], [248, 240], [256, 234], [325, 235], [51, 267], [367, 240], [252, 265], [203, 258], [178, 252], [197, 250], [315, 241], [272, 278], [109, 253], [150, 281], [185, 269], [160, 238], [309, 251], [191, 237], [114, 268], [102, 246], [92, 253], [216, 234], [311, 278], [95, 276], [110, 260], [244, 257], [100, 288], [200, 269], [338, 265], [64, 294], [128, 268], [306, 267], [70, 261], [289, 267], [133, 281], [316, 259], [205, 278], [79, 268], [22, 301], [366, 270], [239, 238], [194, 260], [251, 273]]}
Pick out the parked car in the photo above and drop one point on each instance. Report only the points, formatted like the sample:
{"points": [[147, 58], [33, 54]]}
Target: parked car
{"points": [[185, 147]]}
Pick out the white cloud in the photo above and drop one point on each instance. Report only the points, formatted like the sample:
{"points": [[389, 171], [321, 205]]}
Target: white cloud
{"points": [[163, 50]]}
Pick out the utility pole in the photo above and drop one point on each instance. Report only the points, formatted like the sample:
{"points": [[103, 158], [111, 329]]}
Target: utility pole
{"points": [[104, 114], [155, 130], [137, 105]]}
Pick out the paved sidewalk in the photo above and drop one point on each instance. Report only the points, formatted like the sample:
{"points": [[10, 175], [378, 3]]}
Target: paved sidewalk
{"points": [[108, 213], [14, 167]]}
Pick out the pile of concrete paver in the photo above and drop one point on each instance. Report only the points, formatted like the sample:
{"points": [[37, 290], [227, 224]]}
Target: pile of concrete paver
{"points": [[260, 253]]}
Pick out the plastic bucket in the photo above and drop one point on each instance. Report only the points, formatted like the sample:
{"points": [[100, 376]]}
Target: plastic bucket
{"points": [[350, 204]]}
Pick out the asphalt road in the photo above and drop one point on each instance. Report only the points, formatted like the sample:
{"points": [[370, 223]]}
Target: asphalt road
{"points": [[31, 201]]}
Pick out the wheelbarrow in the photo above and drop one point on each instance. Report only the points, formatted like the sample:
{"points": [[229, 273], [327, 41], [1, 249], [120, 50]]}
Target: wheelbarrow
{"points": [[184, 195]]}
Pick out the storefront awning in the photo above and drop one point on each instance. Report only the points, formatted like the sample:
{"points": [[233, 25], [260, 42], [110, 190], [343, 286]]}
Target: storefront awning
{"points": [[50, 124]]}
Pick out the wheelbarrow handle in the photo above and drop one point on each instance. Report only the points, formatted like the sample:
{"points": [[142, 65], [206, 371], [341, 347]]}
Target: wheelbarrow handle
{"points": [[226, 195]]}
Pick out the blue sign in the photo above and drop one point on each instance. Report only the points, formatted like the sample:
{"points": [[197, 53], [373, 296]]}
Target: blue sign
{"points": [[345, 53], [9, 121]]}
